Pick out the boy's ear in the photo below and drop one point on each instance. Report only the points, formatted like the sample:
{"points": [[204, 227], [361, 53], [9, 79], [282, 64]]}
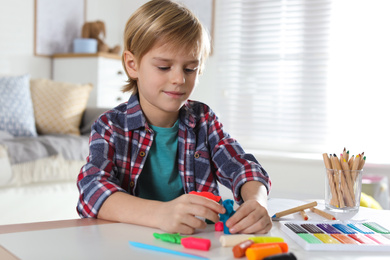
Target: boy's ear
{"points": [[130, 64]]}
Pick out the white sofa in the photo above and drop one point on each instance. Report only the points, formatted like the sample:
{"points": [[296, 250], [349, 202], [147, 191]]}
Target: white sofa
{"points": [[43, 187], [44, 132]]}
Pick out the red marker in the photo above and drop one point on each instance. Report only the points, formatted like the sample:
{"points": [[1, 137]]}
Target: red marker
{"points": [[196, 243]]}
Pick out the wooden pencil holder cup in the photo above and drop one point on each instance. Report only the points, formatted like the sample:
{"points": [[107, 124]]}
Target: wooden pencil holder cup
{"points": [[342, 190]]}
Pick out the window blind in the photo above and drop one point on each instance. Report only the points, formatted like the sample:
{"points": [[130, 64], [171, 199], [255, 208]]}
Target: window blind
{"points": [[272, 61], [305, 75]]}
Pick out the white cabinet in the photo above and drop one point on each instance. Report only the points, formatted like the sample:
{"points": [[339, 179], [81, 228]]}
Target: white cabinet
{"points": [[103, 71]]}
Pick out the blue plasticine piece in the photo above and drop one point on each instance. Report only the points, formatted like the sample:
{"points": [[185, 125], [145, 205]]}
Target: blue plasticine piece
{"points": [[165, 250], [228, 205]]}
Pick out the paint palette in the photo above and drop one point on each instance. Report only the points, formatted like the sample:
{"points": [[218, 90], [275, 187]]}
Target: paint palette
{"points": [[339, 236]]}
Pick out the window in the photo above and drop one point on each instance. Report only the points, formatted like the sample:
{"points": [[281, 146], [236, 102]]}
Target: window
{"points": [[294, 74]]}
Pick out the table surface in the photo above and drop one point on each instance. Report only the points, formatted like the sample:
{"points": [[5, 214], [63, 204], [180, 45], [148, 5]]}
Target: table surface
{"points": [[99, 239]]}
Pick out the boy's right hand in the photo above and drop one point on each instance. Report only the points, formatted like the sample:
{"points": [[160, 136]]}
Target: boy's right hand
{"points": [[179, 215]]}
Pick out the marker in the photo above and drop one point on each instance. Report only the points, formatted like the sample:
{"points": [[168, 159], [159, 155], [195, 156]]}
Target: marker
{"points": [[164, 250], [296, 209]]}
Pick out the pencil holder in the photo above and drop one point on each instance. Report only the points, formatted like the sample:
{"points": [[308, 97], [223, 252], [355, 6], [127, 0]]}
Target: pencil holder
{"points": [[343, 189]]}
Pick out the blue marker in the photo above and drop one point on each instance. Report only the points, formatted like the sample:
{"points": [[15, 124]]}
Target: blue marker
{"points": [[164, 250]]}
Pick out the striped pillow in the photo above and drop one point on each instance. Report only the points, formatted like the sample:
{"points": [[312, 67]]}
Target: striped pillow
{"points": [[58, 106]]}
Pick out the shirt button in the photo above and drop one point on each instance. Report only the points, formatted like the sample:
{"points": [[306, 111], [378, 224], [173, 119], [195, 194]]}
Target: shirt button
{"points": [[196, 155], [131, 184], [142, 154]]}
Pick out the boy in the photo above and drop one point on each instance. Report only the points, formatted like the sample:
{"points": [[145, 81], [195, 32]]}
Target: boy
{"points": [[147, 154]]}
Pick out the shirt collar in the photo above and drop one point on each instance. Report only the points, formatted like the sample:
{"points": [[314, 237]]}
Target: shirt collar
{"points": [[138, 120]]}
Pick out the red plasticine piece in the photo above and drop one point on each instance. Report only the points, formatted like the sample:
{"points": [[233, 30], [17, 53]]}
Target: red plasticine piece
{"points": [[206, 194], [196, 243], [219, 226]]}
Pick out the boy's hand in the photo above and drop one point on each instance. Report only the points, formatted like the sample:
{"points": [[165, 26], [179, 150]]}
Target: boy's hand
{"points": [[250, 218], [179, 215]]}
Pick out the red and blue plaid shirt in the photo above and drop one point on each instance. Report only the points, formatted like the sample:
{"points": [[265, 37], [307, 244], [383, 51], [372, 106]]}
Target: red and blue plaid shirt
{"points": [[120, 141]]}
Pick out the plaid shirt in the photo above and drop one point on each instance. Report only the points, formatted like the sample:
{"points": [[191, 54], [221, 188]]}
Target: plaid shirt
{"points": [[121, 139]]}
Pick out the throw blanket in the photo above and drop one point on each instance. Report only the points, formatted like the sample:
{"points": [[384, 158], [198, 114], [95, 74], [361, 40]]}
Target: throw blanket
{"points": [[25, 160]]}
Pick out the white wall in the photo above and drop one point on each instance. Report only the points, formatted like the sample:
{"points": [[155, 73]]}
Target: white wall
{"points": [[17, 40]]}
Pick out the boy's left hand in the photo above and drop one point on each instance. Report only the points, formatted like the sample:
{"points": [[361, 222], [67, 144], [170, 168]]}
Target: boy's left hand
{"points": [[250, 217]]}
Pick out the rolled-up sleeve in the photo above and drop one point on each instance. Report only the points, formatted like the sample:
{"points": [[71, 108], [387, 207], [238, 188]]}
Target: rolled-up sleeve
{"points": [[234, 166]]}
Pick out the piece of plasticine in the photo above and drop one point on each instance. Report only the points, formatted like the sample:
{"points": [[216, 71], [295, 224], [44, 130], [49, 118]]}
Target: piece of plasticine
{"points": [[266, 239], [258, 253], [167, 237], [239, 250], [196, 243], [219, 226], [228, 205], [164, 250], [206, 194], [232, 240], [283, 246]]}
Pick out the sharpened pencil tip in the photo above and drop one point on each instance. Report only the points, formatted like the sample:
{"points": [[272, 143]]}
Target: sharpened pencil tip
{"points": [[274, 216]]}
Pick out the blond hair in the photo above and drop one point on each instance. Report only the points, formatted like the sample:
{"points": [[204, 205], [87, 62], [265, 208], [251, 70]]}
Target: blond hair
{"points": [[167, 21]]}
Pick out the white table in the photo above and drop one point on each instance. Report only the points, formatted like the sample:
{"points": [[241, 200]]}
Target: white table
{"points": [[97, 239]]}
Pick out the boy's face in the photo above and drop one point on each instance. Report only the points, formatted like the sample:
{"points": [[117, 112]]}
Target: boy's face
{"points": [[166, 77]]}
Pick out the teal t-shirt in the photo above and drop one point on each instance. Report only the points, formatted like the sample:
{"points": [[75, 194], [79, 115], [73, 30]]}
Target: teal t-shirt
{"points": [[160, 178]]}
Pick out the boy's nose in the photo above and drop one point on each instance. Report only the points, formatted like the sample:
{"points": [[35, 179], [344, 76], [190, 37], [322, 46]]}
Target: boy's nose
{"points": [[178, 77]]}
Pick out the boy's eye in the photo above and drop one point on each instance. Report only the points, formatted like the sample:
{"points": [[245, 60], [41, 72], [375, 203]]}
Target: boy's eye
{"points": [[164, 68], [190, 70]]}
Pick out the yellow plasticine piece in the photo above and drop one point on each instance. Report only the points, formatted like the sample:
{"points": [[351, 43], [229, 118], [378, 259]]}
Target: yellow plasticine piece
{"points": [[326, 239], [266, 239]]}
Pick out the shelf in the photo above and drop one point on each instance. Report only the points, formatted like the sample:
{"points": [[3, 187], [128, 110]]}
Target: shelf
{"points": [[81, 55]]}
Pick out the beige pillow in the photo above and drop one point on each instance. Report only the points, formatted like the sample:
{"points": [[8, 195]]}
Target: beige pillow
{"points": [[58, 107]]}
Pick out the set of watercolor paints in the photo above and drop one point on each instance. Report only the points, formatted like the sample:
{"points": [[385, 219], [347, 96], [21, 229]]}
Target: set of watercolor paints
{"points": [[339, 236]]}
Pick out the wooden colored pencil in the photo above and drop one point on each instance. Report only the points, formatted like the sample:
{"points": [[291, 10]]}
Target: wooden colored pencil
{"points": [[351, 161], [355, 167], [343, 183], [334, 200], [294, 210], [345, 154], [348, 177], [337, 181], [304, 215], [356, 162], [362, 162], [323, 213]]}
